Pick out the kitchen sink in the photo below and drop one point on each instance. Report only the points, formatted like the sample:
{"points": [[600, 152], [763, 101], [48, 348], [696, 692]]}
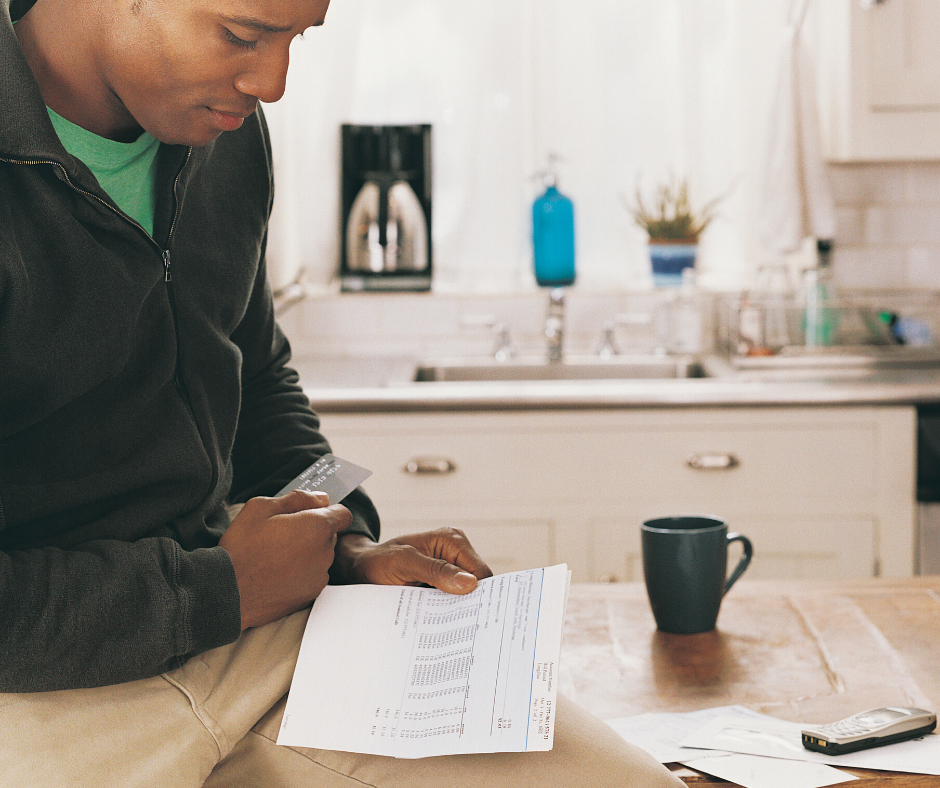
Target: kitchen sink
{"points": [[623, 367], [791, 365]]}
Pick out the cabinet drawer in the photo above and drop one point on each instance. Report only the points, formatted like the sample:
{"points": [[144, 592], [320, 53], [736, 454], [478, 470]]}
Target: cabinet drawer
{"points": [[738, 463], [450, 460], [774, 468]]}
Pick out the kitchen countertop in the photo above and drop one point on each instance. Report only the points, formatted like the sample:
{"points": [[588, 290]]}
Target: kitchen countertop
{"points": [[385, 385], [797, 650]]}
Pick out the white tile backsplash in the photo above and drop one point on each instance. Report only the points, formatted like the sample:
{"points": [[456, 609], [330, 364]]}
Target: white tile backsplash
{"points": [[439, 325], [850, 219], [888, 219], [923, 267]]}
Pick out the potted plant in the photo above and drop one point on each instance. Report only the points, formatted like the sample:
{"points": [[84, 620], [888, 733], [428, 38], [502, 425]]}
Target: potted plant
{"points": [[673, 228]]}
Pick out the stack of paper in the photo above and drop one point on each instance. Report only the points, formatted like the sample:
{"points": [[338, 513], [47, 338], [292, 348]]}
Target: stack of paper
{"points": [[414, 672], [758, 751]]}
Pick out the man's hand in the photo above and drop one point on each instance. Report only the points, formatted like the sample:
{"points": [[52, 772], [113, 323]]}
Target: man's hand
{"points": [[443, 558], [282, 549]]}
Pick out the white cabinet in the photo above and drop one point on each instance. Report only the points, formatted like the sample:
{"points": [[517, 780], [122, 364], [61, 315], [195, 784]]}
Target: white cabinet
{"points": [[879, 78], [825, 491], [903, 64]]}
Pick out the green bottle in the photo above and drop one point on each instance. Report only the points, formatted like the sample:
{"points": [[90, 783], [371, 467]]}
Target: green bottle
{"points": [[821, 317]]}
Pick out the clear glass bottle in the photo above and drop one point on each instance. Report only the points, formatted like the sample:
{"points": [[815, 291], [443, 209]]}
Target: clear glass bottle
{"points": [[763, 319], [685, 317]]}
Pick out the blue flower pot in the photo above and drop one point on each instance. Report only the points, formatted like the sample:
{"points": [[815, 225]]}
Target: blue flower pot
{"points": [[669, 260]]}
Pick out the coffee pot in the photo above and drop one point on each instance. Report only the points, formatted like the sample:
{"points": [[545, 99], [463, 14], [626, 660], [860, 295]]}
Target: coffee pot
{"points": [[386, 208]]}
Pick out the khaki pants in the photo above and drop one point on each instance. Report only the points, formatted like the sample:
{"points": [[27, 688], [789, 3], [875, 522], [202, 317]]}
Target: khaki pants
{"points": [[214, 722]]}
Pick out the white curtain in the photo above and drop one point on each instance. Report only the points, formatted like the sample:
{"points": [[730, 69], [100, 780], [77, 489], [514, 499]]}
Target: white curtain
{"points": [[624, 91]]}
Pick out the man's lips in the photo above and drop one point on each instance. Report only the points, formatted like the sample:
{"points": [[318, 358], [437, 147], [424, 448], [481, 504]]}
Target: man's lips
{"points": [[228, 121]]}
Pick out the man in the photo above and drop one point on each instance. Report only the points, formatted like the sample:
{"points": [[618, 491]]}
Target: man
{"points": [[147, 637]]}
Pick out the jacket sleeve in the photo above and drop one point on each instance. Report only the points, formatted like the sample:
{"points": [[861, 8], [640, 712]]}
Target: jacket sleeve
{"points": [[64, 620], [78, 609], [278, 434]]}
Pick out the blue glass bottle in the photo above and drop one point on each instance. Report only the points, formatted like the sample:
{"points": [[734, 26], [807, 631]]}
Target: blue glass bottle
{"points": [[553, 236]]}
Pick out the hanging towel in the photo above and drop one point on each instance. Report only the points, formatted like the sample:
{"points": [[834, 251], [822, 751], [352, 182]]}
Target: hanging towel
{"points": [[797, 198]]}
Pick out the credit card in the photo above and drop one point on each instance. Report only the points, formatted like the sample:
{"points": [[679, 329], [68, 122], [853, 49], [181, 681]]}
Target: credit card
{"points": [[336, 477]]}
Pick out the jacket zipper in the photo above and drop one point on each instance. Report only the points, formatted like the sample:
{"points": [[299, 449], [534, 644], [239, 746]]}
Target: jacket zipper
{"points": [[168, 276], [167, 272], [65, 174]]}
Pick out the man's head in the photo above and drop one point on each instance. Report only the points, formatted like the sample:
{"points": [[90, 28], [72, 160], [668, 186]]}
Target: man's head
{"points": [[183, 70]]}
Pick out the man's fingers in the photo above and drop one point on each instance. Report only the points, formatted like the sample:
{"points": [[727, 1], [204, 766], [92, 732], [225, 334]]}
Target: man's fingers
{"points": [[443, 575], [338, 517], [442, 558], [301, 500], [333, 518], [290, 503], [312, 508], [452, 545]]}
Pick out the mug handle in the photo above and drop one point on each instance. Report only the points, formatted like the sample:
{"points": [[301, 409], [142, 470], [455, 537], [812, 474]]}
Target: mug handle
{"points": [[743, 562]]}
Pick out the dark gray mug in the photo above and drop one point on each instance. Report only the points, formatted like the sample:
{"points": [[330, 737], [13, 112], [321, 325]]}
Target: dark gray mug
{"points": [[685, 564]]}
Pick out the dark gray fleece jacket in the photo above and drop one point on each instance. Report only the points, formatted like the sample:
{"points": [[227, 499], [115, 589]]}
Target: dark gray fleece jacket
{"points": [[143, 385]]}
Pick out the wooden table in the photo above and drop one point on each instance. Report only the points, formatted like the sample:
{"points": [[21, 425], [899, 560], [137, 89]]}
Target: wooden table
{"points": [[801, 651]]}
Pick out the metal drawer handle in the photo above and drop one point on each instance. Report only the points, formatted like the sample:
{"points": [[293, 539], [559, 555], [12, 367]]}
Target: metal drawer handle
{"points": [[430, 465], [713, 461]]}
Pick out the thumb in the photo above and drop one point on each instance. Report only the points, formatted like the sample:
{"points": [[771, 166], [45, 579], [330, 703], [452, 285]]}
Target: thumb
{"points": [[444, 575]]}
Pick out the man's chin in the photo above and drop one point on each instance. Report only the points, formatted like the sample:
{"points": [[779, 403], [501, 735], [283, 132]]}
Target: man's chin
{"points": [[196, 133], [190, 139]]}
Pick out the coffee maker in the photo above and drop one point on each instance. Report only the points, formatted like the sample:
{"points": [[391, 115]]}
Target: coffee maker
{"points": [[385, 208]]}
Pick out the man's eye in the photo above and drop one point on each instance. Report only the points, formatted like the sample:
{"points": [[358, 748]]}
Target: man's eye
{"points": [[239, 42]]}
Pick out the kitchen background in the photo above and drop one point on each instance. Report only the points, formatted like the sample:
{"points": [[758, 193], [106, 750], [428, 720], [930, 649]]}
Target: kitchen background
{"points": [[625, 91]]}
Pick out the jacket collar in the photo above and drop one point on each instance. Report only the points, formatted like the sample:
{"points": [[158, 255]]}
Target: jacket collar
{"points": [[25, 129]]}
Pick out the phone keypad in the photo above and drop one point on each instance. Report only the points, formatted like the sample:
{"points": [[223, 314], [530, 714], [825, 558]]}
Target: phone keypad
{"points": [[845, 728]]}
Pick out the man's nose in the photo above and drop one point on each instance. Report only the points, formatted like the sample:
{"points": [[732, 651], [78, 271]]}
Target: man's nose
{"points": [[266, 80]]}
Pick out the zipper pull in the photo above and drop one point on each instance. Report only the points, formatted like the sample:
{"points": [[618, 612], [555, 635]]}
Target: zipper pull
{"points": [[168, 277]]}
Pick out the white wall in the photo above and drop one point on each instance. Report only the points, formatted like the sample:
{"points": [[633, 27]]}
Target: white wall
{"points": [[622, 89]]}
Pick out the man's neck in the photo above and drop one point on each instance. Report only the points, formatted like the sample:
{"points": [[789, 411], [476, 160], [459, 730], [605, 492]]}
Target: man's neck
{"points": [[57, 40]]}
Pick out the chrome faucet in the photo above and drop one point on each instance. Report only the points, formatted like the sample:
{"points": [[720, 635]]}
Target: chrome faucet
{"points": [[555, 323]]}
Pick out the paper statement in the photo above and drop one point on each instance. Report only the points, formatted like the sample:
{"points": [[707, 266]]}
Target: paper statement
{"points": [[415, 672]]}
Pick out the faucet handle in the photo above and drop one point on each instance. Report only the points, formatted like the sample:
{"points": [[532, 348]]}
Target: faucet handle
{"points": [[503, 349], [607, 346]]}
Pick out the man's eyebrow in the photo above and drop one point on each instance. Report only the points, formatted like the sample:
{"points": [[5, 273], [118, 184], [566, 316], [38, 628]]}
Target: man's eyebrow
{"points": [[256, 24]]}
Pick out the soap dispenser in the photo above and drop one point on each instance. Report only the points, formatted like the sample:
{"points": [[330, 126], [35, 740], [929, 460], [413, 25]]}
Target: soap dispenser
{"points": [[553, 233]]}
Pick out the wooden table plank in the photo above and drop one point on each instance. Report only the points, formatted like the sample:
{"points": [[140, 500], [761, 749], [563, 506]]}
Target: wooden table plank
{"points": [[805, 652], [866, 779]]}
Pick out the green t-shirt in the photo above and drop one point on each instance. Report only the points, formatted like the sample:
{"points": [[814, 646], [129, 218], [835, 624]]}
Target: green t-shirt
{"points": [[125, 170]]}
